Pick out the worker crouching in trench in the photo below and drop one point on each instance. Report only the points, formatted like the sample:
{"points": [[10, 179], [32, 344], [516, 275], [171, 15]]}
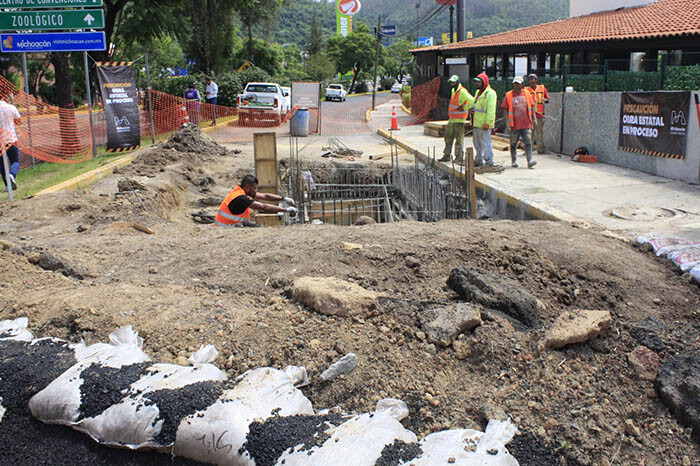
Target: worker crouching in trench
{"points": [[235, 209]]}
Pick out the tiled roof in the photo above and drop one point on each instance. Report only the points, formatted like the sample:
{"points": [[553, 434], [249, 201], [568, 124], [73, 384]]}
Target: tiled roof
{"points": [[662, 19]]}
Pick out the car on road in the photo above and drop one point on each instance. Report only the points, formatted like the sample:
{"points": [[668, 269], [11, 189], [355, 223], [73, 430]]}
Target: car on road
{"points": [[263, 101], [396, 88], [336, 92]]}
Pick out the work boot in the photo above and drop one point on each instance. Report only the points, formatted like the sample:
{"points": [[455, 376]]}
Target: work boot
{"points": [[445, 158], [478, 163], [531, 164]]}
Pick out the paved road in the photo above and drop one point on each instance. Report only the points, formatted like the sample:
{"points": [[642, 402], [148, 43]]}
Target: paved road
{"points": [[338, 119]]}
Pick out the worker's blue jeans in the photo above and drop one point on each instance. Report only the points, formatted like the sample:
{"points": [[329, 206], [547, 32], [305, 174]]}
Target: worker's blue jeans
{"points": [[515, 136], [13, 162], [483, 147]]}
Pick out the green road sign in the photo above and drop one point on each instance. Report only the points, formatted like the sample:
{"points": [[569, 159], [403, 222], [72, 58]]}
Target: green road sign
{"points": [[47, 20], [50, 3]]}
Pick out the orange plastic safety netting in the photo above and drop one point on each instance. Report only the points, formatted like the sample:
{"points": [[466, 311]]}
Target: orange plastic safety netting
{"points": [[424, 98], [47, 132]]}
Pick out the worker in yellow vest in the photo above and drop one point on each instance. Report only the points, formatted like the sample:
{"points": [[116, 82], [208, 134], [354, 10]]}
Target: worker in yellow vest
{"points": [[460, 103], [235, 209], [539, 93], [520, 111]]}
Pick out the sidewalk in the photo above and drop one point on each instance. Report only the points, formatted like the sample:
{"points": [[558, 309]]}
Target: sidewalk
{"points": [[611, 198]]}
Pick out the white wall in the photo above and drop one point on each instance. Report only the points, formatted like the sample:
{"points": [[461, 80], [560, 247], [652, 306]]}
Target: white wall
{"points": [[585, 7]]}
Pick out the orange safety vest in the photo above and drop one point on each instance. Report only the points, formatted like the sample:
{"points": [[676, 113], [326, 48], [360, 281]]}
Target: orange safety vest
{"points": [[530, 107], [224, 217], [538, 95], [454, 105]]}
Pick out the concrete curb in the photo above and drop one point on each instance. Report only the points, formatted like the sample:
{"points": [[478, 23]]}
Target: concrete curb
{"points": [[507, 202], [405, 109], [368, 115], [89, 178]]}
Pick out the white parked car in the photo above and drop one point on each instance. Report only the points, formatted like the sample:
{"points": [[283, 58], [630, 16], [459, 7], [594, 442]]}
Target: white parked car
{"points": [[336, 92], [263, 101], [396, 88]]}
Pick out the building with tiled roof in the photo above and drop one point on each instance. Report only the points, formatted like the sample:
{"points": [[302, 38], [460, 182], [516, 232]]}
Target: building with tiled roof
{"points": [[623, 38]]}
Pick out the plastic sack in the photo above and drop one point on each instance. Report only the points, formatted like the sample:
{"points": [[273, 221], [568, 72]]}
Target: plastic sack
{"points": [[686, 258], [468, 447], [62, 401], [662, 244], [218, 433], [15, 330], [695, 273]]}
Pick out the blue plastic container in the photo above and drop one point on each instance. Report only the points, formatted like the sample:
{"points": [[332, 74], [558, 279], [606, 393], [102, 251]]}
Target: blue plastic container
{"points": [[300, 122]]}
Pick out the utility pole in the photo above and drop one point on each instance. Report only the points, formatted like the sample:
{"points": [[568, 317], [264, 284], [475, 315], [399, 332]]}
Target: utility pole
{"points": [[452, 23], [461, 17], [417, 20], [376, 61]]}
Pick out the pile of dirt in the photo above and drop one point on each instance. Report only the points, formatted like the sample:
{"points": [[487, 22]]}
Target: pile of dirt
{"points": [[191, 139]]}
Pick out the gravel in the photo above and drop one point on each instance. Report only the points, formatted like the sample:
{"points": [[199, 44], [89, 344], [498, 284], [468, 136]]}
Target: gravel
{"points": [[531, 450], [104, 386], [175, 405], [267, 441], [398, 453]]}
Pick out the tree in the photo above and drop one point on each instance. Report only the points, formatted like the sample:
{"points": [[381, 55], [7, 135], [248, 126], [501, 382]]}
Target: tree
{"points": [[211, 36], [399, 61], [315, 37], [253, 12], [355, 52], [266, 55], [319, 67]]}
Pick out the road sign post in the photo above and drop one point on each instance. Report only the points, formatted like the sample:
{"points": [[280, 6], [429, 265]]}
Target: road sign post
{"points": [[48, 20]]}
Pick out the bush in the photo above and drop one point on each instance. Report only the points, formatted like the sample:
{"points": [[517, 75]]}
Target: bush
{"points": [[633, 81], [585, 82], [386, 83], [361, 87], [682, 78], [406, 96]]}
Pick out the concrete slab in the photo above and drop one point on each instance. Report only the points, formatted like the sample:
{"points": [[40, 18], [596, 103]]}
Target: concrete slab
{"points": [[588, 193]]}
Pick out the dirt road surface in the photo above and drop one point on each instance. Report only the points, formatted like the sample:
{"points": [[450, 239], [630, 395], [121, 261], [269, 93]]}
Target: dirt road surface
{"points": [[191, 284]]}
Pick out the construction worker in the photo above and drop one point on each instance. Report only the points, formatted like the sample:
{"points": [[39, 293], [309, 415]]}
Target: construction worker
{"points": [[541, 96], [520, 108], [484, 120], [234, 211], [460, 103]]}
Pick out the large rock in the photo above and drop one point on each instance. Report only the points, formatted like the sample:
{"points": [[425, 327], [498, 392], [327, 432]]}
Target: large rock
{"points": [[678, 385], [444, 323], [335, 297], [495, 292], [577, 327]]}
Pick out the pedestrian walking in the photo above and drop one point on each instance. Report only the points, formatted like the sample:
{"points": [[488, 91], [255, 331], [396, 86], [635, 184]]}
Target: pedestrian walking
{"points": [[520, 109], [460, 103], [192, 100], [540, 95], [484, 120], [9, 117], [212, 94]]}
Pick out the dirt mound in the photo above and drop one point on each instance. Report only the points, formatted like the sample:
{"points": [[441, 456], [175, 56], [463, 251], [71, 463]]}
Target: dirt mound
{"points": [[191, 139]]}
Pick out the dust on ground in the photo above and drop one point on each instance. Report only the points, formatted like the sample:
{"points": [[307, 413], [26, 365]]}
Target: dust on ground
{"points": [[190, 284]]}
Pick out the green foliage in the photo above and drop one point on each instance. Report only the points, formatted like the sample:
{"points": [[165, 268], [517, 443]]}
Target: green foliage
{"points": [[585, 82], [361, 87], [210, 35], [386, 84], [319, 67], [355, 52], [266, 55], [632, 81], [682, 78], [315, 44], [398, 60], [252, 12]]}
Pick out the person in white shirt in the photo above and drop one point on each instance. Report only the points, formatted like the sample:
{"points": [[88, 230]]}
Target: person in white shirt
{"points": [[9, 117], [212, 94]]}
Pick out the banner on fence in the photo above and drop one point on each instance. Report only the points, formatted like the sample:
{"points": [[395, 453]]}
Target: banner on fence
{"points": [[120, 98], [654, 123]]}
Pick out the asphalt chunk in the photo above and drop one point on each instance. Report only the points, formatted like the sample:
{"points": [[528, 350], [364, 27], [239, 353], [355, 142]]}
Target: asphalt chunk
{"points": [[268, 440], [105, 386], [398, 452]]}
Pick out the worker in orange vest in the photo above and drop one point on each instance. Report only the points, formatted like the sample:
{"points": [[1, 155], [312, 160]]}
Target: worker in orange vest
{"points": [[460, 103], [541, 96], [235, 209], [520, 108]]}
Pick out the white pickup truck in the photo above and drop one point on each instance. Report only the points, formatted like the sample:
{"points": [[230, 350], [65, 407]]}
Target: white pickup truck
{"points": [[336, 92], [263, 101]]}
